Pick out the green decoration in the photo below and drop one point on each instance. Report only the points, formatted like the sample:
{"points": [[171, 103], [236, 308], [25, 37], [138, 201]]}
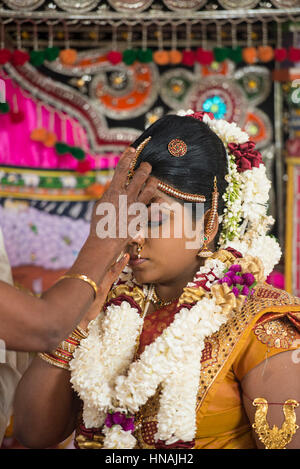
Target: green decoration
{"points": [[62, 148], [129, 56], [37, 57], [51, 53], [235, 54], [4, 108], [77, 152], [221, 53], [144, 55]]}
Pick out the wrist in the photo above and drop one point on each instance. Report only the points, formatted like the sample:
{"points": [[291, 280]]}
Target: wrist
{"points": [[96, 257], [83, 325], [63, 354]]}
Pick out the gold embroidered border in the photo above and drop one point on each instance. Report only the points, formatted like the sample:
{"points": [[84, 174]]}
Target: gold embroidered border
{"points": [[228, 336]]}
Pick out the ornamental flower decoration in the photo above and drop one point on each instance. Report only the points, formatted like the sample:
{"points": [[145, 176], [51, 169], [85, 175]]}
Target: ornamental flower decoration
{"points": [[118, 418], [246, 157], [241, 284]]}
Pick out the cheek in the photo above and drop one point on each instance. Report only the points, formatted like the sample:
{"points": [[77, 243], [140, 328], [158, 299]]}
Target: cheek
{"points": [[170, 253]]}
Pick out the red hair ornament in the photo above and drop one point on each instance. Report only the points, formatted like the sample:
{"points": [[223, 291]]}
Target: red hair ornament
{"points": [[245, 155]]}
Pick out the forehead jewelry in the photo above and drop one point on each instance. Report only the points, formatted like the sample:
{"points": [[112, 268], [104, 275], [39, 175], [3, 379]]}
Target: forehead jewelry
{"points": [[177, 147], [164, 187]]}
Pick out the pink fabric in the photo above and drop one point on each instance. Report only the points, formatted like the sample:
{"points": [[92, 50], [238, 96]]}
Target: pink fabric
{"points": [[17, 148]]}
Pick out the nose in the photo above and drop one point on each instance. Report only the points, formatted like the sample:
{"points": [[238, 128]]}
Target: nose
{"points": [[138, 240]]}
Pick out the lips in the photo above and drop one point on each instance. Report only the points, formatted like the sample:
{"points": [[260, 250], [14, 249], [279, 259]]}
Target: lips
{"points": [[135, 261]]}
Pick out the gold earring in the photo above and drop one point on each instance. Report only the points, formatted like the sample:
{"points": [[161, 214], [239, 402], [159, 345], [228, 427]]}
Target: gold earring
{"points": [[213, 213], [139, 250]]}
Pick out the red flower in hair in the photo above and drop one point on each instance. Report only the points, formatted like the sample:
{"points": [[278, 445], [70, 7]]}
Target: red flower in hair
{"points": [[245, 155], [200, 114]]}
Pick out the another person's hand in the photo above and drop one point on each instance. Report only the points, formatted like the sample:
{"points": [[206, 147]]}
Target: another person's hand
{"points": [[141, 188], [110, 277]]}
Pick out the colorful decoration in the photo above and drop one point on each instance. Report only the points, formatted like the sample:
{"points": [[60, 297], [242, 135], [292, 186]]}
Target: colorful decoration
{"points": [[177, 147], [188, 57], [19, 57], [5, 56], [204, 57], [123, 92], [221, 96], [249, 55], [265, 53]]}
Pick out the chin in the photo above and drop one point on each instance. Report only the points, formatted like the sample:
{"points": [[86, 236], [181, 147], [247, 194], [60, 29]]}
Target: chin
{"points": [[144, 276]]}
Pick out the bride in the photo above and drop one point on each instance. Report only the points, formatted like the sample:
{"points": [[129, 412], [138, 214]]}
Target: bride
{"points": [[191, 348]]}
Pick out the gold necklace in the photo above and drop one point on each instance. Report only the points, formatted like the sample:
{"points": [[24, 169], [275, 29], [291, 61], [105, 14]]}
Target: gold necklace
{"points": [[159, 302], [150, 294]]}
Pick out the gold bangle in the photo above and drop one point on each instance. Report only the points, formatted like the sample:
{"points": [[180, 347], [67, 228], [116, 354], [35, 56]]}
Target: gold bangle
{"points": [[51, 361], [63, 354], [84, 278]]}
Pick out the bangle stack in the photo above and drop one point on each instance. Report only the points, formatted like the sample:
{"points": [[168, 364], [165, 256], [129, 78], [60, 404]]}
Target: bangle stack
{"points": [[64, 352]]}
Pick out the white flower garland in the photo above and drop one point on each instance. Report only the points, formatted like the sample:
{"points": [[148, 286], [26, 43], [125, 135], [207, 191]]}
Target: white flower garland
{"points": [[245, 222], [178, 350], [106, 378], [103, 377]]}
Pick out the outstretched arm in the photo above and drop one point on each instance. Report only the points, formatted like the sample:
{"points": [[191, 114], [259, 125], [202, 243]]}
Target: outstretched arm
{"points": [[45, 407], [32, 324]]}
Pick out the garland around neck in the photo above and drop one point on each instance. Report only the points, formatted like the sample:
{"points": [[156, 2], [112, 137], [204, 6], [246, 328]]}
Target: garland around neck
{"points": [[110, 382]]}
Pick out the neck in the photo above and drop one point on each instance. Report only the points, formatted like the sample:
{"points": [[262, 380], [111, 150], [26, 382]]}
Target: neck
{"points": [[172, 289]]}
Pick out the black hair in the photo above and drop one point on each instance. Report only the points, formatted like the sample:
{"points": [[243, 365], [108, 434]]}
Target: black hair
{"points": [[195, 171]]}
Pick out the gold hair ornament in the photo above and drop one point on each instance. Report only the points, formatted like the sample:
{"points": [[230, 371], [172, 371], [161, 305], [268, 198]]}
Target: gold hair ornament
{"points": [[161, 185], [138, 151], [275, 438]]}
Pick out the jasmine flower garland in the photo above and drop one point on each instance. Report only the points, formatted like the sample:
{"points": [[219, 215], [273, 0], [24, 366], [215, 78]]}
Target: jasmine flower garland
{"points": [[245, 222], [113, 387]]}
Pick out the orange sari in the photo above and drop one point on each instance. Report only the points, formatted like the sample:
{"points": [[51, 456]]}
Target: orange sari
{"points": [[268, 324]]}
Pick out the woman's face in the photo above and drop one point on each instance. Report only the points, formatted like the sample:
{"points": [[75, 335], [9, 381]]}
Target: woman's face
{"points": [[166, 257]]}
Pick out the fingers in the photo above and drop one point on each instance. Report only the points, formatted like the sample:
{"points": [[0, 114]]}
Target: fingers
{"points": [[140, 177], [118, 266], [114, 272], [148, 191], [121, 172]]}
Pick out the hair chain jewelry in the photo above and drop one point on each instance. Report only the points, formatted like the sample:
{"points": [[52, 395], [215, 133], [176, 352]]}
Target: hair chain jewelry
{"points": [[162, 185], [138, 151], [179, 194]]}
